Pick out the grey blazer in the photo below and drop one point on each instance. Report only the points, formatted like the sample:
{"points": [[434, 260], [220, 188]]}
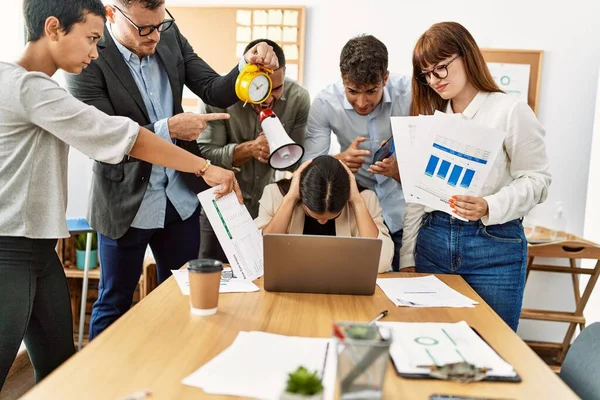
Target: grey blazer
{"points": [[117, 190]]}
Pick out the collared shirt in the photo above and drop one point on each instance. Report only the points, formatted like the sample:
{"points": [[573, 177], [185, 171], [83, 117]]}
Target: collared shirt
{"points": [[520, 176], [152, 81], [218, 141], [331, 112]]}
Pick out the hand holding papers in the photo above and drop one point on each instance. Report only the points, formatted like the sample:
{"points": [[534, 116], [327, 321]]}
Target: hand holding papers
{"points": [[240, 239], [418, 347], [443, 155], [257, 364], [426, 291]]}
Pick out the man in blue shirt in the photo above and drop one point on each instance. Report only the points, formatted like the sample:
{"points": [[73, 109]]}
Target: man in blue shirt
{"points": [[143, 63], [357, 110]]}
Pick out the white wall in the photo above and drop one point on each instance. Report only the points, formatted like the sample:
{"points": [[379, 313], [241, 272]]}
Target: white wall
{"points": [[592, 210], [11, 30]]}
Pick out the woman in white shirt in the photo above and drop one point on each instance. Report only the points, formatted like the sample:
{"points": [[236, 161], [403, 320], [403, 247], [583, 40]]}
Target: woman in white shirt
{"points": [[490, 250]]}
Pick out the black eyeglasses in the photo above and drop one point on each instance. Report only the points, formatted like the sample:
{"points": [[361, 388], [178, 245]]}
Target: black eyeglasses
{"points": [[440, 72], [146, 30]]}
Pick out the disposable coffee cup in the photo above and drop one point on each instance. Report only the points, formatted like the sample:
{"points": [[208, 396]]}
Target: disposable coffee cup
{"points": [[205, 279]]}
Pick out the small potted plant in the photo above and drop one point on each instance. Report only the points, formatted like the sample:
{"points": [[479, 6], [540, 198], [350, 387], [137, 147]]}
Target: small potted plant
{"points": [[80, 246], [303, 385]]}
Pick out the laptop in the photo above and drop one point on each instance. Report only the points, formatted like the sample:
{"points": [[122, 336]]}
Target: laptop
{"points": [[320, 264]]}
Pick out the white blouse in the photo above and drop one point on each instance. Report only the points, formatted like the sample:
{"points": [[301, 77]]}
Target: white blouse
{"points": [[520, 176]]}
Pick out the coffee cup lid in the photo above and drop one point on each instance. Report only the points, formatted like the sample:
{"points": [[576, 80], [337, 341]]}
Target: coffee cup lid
{"points": [[205, 265]]}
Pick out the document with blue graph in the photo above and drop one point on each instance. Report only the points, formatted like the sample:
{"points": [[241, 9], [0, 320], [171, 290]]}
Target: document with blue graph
{"points": [[448, 156]]}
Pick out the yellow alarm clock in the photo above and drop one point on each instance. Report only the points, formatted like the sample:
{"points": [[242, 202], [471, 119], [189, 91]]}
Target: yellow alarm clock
{"points": [[253, 84]]}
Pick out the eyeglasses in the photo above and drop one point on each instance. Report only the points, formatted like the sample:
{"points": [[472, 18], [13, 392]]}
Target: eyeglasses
{"points": [[440, 72], [146, 30]]}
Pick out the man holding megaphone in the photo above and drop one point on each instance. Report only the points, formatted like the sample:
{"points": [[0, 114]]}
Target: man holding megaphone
{"points": [[255, 141]]}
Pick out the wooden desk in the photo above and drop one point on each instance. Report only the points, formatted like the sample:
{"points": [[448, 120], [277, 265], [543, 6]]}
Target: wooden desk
{"points": [[158, 343]]}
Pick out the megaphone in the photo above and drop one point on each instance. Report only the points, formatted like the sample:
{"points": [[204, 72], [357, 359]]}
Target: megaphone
{"points": [[284, 151]]}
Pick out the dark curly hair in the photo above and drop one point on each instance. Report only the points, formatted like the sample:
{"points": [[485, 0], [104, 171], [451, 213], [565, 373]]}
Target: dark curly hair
{"points": [[148, 4], [364, 60]]}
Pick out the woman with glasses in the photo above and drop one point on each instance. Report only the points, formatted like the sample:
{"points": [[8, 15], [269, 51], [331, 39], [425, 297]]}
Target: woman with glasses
{"points": [[323, 198], [489, 250]]}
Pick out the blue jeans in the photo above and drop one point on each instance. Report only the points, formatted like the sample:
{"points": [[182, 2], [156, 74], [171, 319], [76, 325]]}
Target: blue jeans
{"points": [[121, 263], [492, 259]]}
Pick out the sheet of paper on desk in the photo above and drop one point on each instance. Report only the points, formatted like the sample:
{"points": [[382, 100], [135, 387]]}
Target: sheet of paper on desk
{"points": [[240, 239], [419, 344], [232, 286], [257, 364], [425, 291]]}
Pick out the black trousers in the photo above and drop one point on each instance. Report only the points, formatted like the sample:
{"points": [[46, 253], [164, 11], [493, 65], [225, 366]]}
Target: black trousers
{"points": [[209, 244], [34, 305]]}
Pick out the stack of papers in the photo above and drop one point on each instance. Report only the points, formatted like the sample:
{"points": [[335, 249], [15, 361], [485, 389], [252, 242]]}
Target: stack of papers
{"points": [[232, 286], [426, 291], [443, 155], [257, 365], [417, 346]]}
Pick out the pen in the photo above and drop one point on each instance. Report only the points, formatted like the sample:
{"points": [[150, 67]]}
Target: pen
{"points": [[378, 317], [418, 292], [138, 395]]}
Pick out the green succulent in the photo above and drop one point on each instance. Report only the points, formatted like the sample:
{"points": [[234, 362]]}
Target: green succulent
{"points": [[304, 382], [80, 241]]}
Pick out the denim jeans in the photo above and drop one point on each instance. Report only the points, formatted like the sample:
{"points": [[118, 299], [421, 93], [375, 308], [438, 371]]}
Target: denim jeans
{"points": [[492, 259], [35, 305], [121, 263]]}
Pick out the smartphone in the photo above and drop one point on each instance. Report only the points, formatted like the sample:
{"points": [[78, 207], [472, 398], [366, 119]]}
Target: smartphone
{"points": [[386, 150]]}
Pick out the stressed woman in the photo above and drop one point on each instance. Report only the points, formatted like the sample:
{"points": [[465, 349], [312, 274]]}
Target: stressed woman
{"points": [[322, 198]]}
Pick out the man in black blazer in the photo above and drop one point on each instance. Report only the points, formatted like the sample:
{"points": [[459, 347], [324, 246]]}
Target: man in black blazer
{"points": [[143, 63]]}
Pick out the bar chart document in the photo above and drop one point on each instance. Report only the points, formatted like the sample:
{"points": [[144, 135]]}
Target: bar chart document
{"points": [[449, 156], [240, 239]]}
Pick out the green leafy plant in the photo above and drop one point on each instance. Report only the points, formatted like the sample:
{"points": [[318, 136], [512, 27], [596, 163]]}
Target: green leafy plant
{"points": [[80, 241], [304, 382]]}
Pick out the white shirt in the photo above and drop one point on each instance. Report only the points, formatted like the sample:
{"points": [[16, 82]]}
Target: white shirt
{"points": [[520, 176]]}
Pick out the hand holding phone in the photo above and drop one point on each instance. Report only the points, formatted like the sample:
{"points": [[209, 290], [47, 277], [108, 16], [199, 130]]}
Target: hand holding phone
{"points": [[385, 151]]}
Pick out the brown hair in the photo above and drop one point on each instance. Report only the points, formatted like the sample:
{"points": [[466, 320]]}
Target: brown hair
{"points": [[439, 42]]}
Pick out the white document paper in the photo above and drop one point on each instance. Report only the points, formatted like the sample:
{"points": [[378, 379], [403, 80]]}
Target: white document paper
{"points": [[419, 345], [244, 17], [261, 17], [425, 291], [290, 34], [231, 286], [257, 365], [259, 32], [243, 34], [290, 18], [275, 17], [513, 79], [274, 33], [241, 241], [448, 156]]}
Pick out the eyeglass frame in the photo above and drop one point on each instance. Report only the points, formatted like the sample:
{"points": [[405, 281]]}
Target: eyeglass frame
{"points": [[426, 75], [152, 27]]}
